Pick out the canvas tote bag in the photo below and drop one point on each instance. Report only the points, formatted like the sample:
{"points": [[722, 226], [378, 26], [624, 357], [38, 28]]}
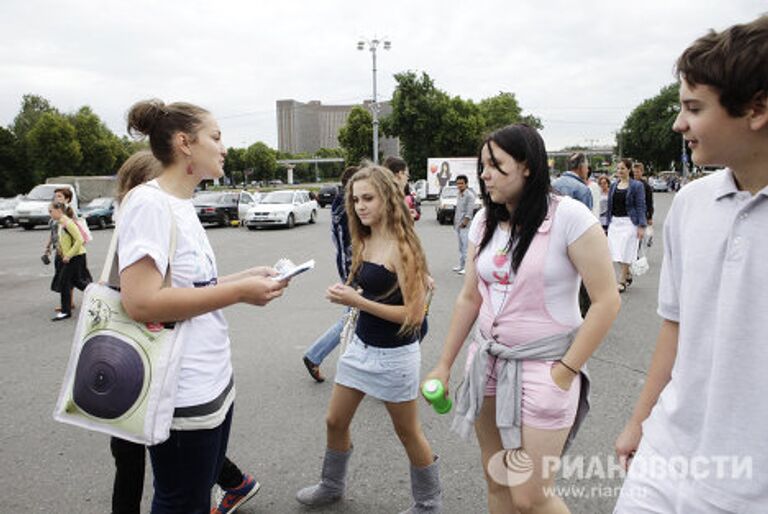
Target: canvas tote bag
{"points": [[121, 378]]}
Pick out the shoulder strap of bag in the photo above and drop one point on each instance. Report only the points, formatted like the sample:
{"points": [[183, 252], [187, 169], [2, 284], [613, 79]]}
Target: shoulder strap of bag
{"points": [[110, 272]]}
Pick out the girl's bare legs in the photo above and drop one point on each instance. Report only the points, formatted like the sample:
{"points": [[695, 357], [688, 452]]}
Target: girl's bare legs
{"points": [[499, 495], [425, 471], [341, 410], [625, 273], [333, 479], [534, 496], [405, 419]]}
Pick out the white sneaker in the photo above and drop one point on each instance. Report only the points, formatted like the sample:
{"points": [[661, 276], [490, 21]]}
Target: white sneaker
{"points": [[461, 271], [60, 316], [457, 268]]}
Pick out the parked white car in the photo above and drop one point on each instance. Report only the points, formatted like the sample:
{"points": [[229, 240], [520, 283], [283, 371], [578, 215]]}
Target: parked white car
{"points": [[7, 208], [419, 188], [32, 210], [658, 184], [282, 208], [446, 204]]}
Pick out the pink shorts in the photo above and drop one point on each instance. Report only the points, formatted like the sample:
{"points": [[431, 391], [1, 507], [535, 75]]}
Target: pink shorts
{"points": [[545, 405]]}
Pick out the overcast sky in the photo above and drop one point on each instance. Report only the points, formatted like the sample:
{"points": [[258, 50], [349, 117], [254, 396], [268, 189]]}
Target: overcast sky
{"points": [[581, 66]]}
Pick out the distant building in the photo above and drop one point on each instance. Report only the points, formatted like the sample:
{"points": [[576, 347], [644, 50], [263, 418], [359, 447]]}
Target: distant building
{"points": [[307, 127]]}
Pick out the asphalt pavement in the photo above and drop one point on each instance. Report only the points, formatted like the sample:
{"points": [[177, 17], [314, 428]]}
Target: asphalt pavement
{"points": [[279, 430]]}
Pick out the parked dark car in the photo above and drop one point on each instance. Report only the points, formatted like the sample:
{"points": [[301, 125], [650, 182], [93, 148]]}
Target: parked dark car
{"points": [[223, 208], [99, 212], [327, 194]]}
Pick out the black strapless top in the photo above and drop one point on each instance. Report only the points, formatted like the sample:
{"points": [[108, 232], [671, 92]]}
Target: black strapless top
{"points": [[380, 285]]}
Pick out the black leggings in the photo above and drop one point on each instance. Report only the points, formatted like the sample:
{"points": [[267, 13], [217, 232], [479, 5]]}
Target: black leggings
{"points": [[130, 461]]}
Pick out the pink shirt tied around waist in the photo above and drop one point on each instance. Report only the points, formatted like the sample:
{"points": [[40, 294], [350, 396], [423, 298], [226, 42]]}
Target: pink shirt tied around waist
{"points": [[524, 319]]}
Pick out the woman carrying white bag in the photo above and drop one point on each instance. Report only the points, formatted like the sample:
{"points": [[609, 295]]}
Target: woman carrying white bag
{"points": [[186, 139]]}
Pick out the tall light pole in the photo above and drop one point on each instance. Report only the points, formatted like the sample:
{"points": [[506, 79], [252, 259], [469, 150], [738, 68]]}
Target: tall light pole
{"points": [[372, 45]]}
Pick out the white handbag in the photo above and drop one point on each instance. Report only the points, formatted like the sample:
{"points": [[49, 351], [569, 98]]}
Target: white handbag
{"points": [[350, 324], [121, 378], [640, 266]]}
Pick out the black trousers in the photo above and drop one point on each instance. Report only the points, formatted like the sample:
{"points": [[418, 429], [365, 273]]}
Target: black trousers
{"points": [[130, 461]]}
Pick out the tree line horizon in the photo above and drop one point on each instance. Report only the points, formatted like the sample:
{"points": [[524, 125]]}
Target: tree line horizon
{"points": [[43, 142]]}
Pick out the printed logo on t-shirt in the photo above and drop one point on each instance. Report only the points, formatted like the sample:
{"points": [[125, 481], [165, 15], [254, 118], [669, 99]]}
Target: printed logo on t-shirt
{"points": [[500, 261]]}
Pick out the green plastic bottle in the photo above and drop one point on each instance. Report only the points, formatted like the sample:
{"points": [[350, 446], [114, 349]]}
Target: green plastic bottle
{"points": [[434, 391]]}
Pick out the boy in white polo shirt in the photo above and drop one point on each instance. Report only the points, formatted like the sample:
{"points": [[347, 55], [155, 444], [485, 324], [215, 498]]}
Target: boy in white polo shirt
{"points": [[697, 441]]}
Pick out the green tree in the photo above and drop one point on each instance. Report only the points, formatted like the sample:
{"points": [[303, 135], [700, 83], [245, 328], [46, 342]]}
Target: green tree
{"points": [[262, 159], [127, 146], [234, 165], [13, 178], [430, 123], [331, 170], [100, 148], [502, 110], [32, 108], [418, 110], [647, 133], [356, 136], [460, 129], [52, 147]]}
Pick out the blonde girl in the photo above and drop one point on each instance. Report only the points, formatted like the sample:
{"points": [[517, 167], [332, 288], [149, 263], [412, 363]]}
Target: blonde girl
{"points": [[387, 283]]}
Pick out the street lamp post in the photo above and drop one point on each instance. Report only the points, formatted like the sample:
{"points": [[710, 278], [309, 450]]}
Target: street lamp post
{"points": [[373, 44]]}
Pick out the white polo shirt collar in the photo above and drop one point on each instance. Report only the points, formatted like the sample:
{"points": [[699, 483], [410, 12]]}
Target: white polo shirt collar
{"points": [[727, 186]]}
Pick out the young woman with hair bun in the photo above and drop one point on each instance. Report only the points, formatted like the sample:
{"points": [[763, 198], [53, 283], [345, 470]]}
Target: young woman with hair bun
{"points": [[186, 139], [236, 486]]}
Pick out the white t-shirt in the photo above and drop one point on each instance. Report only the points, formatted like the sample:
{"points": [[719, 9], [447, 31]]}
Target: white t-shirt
{"points": [[713, 283], [561, 279], [144, 229], [594, 188]]}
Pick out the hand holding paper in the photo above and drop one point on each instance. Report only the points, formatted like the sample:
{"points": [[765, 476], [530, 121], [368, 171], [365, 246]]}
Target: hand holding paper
{"points": [[287, 269]]}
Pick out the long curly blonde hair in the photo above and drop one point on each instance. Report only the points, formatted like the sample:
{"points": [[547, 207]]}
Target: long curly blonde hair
{"points": [[398, 222]]}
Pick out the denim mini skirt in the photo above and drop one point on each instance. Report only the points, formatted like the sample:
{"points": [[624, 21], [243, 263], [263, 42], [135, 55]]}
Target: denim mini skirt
{"points": [[388, 374]]}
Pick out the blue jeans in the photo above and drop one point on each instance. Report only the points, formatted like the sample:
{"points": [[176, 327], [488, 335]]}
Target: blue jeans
{"points": [[186, 466], [326, 342]]}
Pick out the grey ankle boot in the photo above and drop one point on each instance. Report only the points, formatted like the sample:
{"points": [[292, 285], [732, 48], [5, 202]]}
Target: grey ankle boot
{"points": [[426, 490], [332, 480]]}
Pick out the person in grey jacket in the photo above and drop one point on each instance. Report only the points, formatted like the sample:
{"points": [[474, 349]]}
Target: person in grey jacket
{"points": [[462, 216]]}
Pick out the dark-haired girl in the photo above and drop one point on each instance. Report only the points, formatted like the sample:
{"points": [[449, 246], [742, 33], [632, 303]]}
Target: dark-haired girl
{"points": [[525, 387], [625, 217], [186, 139]]}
